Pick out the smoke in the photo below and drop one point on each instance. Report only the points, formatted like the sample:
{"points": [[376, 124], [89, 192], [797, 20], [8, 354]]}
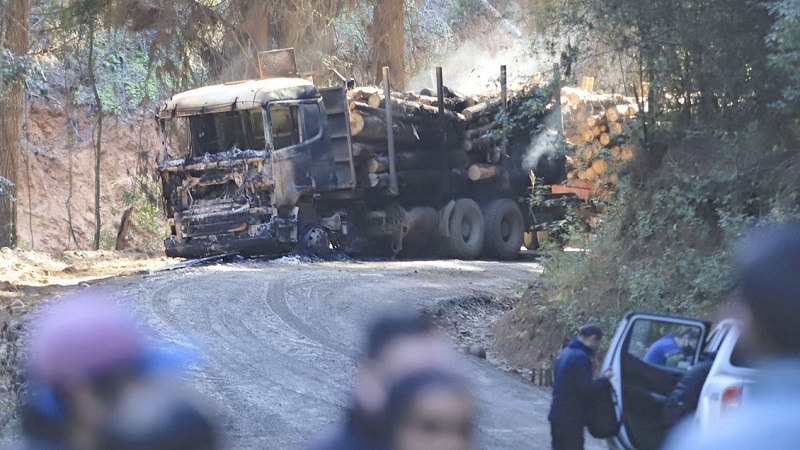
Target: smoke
{"points": [[542, 155], [474, 67]]}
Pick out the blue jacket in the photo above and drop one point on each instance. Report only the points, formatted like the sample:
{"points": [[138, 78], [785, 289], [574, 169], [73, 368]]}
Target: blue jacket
{"points": [[666, 346], [572, 385]]}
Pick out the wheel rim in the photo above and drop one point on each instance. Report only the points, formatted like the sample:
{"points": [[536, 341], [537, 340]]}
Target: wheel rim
{"points": [[466, 230], [505, 229], [317, 241]]}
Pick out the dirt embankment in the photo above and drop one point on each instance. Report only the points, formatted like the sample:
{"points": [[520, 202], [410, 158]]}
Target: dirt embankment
{"points": [[56, 173], [513, 333]]}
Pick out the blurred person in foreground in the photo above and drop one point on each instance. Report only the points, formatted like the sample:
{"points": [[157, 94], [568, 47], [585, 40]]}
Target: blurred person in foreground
{"points": [[431, 411], [84, 352], [573, 388], [768, 278], [158, 416], [397, 346]]}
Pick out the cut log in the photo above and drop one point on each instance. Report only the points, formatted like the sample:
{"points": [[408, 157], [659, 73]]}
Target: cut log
{"points": [[416, 160], [479, 131], [375, 128], [479, 145], [374, 100], [363, 93], [615, 128], [481, 109], [615, 151], [599, 166], [612, 114], [627, 153], [356, 123], [406, 110], [478, 172], [605, 139], [433, 101]]}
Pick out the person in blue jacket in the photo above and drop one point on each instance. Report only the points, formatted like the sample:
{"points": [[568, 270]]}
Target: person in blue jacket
{"points": [[671, 345], [572, 387]]}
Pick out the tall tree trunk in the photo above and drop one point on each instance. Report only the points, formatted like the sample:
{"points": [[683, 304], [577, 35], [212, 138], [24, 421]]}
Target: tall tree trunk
{"points": [[98, 145], [15, 25], [388, 41]]}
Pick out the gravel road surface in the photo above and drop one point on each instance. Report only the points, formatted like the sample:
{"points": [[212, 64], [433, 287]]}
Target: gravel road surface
{"points": [[280, 340]]}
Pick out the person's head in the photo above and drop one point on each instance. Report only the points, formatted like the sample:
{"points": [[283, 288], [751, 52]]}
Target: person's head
{"points": [[687, 337], [768, 278], [158, 416], [83, 351], [398, 345], [431, 410], [590, 335]]}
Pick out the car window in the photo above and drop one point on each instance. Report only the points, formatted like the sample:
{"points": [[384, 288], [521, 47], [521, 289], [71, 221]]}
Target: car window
{"points": [[663, 343], [715, 339]]}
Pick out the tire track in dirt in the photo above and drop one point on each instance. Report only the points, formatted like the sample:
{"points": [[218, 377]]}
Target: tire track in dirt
{"points": [[281, 340]]}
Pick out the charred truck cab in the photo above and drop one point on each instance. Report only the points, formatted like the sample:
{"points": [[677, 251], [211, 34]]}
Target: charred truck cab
{"points": [[266, 167], [248, 153]]}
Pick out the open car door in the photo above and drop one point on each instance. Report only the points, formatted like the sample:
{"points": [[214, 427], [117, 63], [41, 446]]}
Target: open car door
{"points": [[649, 353]]}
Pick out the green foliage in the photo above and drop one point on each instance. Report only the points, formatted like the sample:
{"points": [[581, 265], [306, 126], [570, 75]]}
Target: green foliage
{"points": [[6, 189], [718, 145], [148, 217], [523, 114], [784, 44], [13, 68]]}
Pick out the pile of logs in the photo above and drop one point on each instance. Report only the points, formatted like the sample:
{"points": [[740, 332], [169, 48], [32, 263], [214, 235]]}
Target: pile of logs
{"points": [[598, 125], [467, 139]]}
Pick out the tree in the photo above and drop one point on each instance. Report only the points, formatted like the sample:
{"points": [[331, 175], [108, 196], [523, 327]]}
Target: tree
{"points": [[388, 40], [14, 25]]}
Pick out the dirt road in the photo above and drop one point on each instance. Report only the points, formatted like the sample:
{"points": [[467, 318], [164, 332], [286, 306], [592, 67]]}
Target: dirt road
{"points": [[281, 338]]}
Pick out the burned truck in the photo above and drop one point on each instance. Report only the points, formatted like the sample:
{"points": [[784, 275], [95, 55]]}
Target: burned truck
{"points": [[277, 165]]}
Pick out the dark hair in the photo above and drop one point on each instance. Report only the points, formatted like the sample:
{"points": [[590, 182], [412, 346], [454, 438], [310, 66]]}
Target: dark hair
{"points": [[690, 332], [590, 330], [388, 328], [405, 391], [768, 276]]}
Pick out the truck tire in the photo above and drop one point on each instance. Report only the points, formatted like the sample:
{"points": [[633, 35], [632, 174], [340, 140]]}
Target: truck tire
{"points": [[504, 229], [315, 242], [466, 230]]}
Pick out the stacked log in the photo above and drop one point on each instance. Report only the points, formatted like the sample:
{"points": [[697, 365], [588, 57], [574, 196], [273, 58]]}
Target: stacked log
{"points": [[598, 126], [466, 136]]}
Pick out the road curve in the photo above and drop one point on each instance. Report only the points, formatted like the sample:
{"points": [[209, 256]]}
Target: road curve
{"points": [[280, 340]]}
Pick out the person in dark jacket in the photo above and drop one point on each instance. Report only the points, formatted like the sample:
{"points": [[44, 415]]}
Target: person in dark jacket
{"points": [[685, 395], [572, 389], [397, 346]]}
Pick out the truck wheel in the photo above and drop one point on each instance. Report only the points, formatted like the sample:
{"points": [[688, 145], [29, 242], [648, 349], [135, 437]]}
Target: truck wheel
{"points": [[466, 230], [504, 229], [315, 241]]}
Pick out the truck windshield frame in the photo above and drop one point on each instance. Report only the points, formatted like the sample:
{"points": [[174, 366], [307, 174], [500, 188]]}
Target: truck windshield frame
{"points": [[198, 135], [293, 123]]}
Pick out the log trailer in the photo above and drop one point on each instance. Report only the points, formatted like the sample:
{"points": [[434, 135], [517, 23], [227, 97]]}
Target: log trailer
{"points": [[270, 166]]}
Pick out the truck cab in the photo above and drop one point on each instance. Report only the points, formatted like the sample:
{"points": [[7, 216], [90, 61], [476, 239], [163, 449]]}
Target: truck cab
{"points": [[236, 160]]}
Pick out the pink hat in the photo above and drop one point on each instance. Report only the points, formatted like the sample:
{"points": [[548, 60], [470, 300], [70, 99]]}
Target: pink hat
{"points": [[82, 336]]}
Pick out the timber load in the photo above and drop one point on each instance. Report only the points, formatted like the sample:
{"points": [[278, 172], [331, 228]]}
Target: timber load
{"points": [[599, 127], [466, 139]]}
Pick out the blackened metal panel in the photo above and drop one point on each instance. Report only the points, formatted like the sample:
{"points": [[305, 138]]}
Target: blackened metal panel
{"points": [[338, 125]]}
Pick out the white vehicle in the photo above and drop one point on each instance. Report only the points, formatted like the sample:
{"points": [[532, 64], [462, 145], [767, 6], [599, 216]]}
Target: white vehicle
{"points": [[643, 387]]}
